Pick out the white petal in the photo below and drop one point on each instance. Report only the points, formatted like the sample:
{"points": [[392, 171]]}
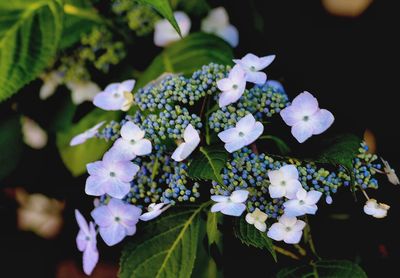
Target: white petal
{"points": [[218, 207], [276, 232], [287, 220], [253, 135], [78, 139], [266, 61], [102, 216], [290, 172], [165, 34], [250, 219], [33, 135], [313, 197], [276, 191], [292, 186], [219, 198], [293, 208], [302, 131], [246, 124], [116, 188], [124, 148], [306, 102], [142, 147], [177, 154], [191, 135], [82, 91], [109, 101], [83, 225], [256, 77], [239, 196], [261, 226], [275, 177], [229, 97], [81, 241], [230, 34], [237, 75], [299, 225], [310, 209], [224, 84], [150, 215], [292, 237], [228, 135], [112, 234], [233, 209], [321, 121], [292, 115], [94, 186], [90, 259], [301, 194], [131, 131], [215, 19], [235, 145], [248, 61], [127, 86]]}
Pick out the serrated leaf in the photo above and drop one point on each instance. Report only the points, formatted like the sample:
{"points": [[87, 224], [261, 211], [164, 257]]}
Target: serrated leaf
{"points": [[324, 269], [80, 17], [164, 8], [166, 247], [250, 236], [10, 145], [208, 163], [188, 55], [30, 31], [213, 233], [75, 158]]}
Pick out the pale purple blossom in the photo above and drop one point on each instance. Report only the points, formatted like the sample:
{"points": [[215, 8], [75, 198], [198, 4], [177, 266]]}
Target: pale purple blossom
{"points": [[253, 65], [84, 136], [232, 87], [116, 96]]}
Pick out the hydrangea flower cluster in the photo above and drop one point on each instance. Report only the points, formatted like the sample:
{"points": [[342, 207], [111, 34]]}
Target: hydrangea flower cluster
{"points": [[146, 171]]}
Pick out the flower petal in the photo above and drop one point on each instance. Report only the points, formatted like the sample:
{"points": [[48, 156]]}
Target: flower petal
{"points": [[321, 121], [292, 186], [150, 215], [228, 97], [109, 101], [190, 135], [246, 124], [256, 132], [219, 198], [224, 84], [239, 196], [250, 219], [287, 220], [293, 237], [306, 102], [292, 115], [78, 139], [233, 209], [266, 61], [228, 134], [230, 34], [112, 234], [235, 145], [94, 186], [83, 225], [313, 197], [302, 131], [116, 188], [126, 86], [276, 232], [258, 77], [276, 191], [261, 226], [177, 154], [90, 259], [102, 216], [290, 172], [130, 131], [218, 207]]}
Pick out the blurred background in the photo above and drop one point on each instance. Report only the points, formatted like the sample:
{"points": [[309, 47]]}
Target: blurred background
{"points": [[343, 51]]}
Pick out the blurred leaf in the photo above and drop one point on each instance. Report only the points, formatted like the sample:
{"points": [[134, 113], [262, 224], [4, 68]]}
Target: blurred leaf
{"points": [[250, 236], [62, 120], [75, 158], [324, 269], [192, 7], [164, 8], [188, 55], [11, 145], [80, 17], [166, 247], [30, 31], [208, 163], [213, 233]]}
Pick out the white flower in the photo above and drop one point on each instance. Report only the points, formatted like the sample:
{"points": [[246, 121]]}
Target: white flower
{"points": [[284, 182], [306, 118], [116, 96], [34, 136], [230, 205], [192, 140], [288, 229], [164, 32], [153, 211], [257, 218], [50, 83], [246, 131], [217, 22], [391, 174], [305, 203], [232, 87], [82, 91], [375, 209], [132, 142], [253, 66], [82, 137]]}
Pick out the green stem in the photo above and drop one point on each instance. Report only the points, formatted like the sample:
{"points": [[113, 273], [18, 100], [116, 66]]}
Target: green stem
{"points": [[286, 253], [308, 239]]}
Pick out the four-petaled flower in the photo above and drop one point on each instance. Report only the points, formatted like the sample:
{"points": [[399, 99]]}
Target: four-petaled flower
{"points": [[132, 142], [217, 22], [191, 141], [116, 220], [391, 174], [110, 176], [232, 87], [246, 131], [284, 182], [82, 137], [306, 118], [257, 218], [165, 33], [230, 205], [81, 91], [86, 243], [305, 203], [375, 209], [153, 211], [288, 229], [253, 65], [116, 96]]}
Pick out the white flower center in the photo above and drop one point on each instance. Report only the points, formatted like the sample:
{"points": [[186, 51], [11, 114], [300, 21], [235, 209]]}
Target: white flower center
{"points": [[283, 183], [241, 134], [116, 95], [117, 219], [253, 68], [112, 174], [234, 86], [87, 238], [306, 118], [288, 229], [301, 202], [132, 141]]}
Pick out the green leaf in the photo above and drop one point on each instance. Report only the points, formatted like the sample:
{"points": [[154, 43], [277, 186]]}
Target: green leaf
{"points": [[30, 31], [213, 233], [75, 158], [324, 269], [164, 8], [250, 236], [341, 150], [208, 163], [80, 17], [188, 55], [166, 247], [10, 145]]}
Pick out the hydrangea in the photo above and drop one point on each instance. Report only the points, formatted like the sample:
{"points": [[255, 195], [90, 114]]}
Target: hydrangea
{"points": [[165, 33], [289, 229]]}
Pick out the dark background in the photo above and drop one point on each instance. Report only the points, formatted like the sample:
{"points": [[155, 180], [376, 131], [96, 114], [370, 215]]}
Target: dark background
{"points": [[350, 64]]}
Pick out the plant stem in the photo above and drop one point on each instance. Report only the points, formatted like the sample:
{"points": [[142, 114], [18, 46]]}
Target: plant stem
{"points": [[286, 253], [309, 240], [301, 250]]}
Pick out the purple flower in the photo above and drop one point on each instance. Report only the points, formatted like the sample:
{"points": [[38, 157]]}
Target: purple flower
{"points": [[306, 118], [116, 220], [86, 242], [111, 176], [116, 96]]}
